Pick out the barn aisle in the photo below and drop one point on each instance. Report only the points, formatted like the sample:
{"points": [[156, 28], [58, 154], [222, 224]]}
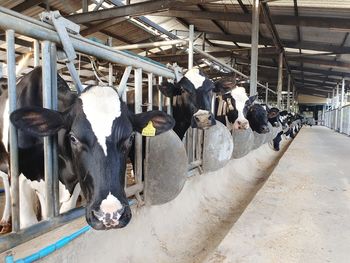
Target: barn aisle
{"points": [[302, 213]]}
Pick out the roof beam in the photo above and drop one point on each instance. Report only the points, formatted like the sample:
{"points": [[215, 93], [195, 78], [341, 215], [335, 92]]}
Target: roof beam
{"points": [[137, 9], [26, 5], [308, 21]]}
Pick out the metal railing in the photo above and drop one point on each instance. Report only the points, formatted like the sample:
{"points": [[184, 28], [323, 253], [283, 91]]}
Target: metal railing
{"points": [[17, 24], [338, 119]]}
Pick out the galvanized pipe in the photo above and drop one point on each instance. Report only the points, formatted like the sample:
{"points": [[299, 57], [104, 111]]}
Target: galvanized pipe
{"points": [[336, 107], [280, 80], [342, 105], [160, 95], [150, 45], [150, 91], [190, 46], [47, 103], [36, 47], [110, 66], [35, 29], [54, 96], [266, 93], [138, 137], [254, 49], [122, 85], [13, 143]]}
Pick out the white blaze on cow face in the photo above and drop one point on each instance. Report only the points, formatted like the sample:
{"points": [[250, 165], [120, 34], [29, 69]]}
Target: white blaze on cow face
{"points": [[101, 106], [240, 96], [194, 76]]}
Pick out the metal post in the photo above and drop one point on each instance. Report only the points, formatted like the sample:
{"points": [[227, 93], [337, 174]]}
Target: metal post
{"points": [[333, 101], [293, 97], [85, 6], [266, 93], [122, 88], [36, 47], [138, 137], [150, 92], [288, 95], [280, 81], [14, 170], [160, 95], [254, 48], [110, 66], [342, 105], [336, 102], [190, 47], [47, 103], [55, 175]]}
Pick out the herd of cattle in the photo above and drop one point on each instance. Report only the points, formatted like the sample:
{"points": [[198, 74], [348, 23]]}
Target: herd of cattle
{"points": [[95, 131]]}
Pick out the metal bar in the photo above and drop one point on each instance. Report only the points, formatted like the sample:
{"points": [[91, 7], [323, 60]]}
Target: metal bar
{"points": [[213, 100], [221, 63], [199, 144], [14, 239], [110, 66], [35, 29], [341, 105], [54, 100], [36, 47], [160, 95], [288, 95], [153, 44], [280, 80], [122, 85], [189, 145], [254, 48], [266, 93], [150, 92], [138, 137], [336, 107], [48, 157], [190, 46], [14, 168], [85, 6]]}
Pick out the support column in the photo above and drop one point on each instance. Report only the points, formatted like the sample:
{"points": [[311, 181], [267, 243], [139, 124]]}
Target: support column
{"points": [[280, 81], [110, 66], [336, 108], [288, 95], [190, 46], [293, 99], [342, 104], [11, 84], [266, 93], [254, 49]]}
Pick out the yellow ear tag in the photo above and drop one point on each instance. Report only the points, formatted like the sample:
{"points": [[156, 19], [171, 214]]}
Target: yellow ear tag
{"points": [[149, 130]]}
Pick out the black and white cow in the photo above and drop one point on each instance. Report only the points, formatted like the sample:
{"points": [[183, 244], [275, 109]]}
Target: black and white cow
{"points": [[236, 109], [95, 133], [191, 101]]}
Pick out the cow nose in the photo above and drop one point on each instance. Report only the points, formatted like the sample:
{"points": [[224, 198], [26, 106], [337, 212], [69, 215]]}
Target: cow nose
{"points": [[242, 124], [203, 119], [109, 219], [265, 129]]}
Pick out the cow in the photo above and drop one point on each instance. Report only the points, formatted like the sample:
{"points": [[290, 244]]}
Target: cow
{"points": [[95, 132], [234, 108], [191, 97]]}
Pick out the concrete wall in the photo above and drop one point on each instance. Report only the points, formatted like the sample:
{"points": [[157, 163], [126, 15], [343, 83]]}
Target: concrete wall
{"points": [[187, 228]]}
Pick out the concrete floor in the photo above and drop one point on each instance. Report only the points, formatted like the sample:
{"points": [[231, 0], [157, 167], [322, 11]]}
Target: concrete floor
{"points": [[302, 213]]}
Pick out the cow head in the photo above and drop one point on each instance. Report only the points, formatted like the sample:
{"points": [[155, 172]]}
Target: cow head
{"points": [[195, 91], [273, 116], [238, 106], [257, 117], [97, 132]]}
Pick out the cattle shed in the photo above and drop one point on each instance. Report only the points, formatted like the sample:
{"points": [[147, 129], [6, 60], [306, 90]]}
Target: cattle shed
{"points": [[174, 131]]}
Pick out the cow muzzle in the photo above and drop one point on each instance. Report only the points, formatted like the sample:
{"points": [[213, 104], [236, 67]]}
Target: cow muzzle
{"points": [[110, 214], [241, 124], [203, 119]]}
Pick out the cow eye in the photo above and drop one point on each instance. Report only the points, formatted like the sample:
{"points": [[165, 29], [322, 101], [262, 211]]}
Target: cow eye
{"points": [[73, 139]]}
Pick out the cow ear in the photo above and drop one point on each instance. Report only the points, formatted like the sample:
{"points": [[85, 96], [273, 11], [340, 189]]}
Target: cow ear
{"points": [[223, 86], [37, 121], [252, 98], [156, 121], [169, 89]]}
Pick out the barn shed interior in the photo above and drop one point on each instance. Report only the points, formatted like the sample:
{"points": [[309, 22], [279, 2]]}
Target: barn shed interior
{"points": [[174, 130]]}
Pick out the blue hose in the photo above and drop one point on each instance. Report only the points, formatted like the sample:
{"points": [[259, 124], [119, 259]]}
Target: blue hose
{"points": [[52, 248], [49, 249]]}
